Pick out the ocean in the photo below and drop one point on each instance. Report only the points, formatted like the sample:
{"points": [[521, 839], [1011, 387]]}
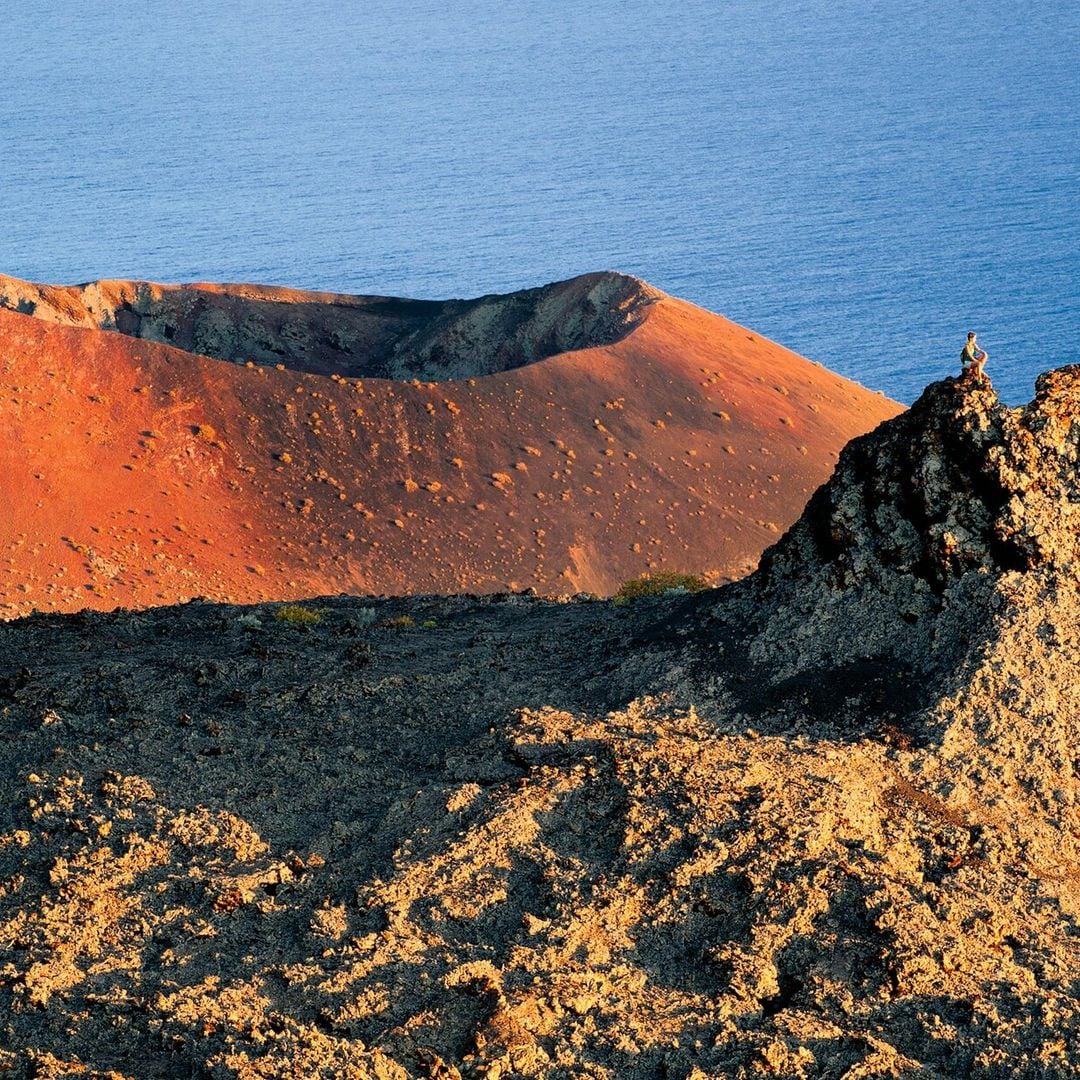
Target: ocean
{"points": [[861, 181]]}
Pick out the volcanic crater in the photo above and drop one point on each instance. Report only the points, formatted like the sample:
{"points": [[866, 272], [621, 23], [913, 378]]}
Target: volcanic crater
{"points": [[249, 443]]}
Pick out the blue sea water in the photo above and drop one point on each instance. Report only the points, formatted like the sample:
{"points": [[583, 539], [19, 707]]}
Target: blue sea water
{"points": [[862, 181]]}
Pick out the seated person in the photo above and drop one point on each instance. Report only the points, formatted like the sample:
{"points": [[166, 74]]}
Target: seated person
{"points": [[972, 358]]}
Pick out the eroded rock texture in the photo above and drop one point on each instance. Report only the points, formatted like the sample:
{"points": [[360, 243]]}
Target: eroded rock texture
{"points": [[819, 823]]}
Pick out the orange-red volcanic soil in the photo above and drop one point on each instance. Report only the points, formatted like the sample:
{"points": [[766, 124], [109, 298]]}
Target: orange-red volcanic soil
{"points": [[133, 473]]}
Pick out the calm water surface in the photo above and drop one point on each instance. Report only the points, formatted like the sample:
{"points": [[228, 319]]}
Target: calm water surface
{"points": [[861, 181]]}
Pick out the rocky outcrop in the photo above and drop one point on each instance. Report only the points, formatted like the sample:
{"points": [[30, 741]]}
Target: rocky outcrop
{"points": [[959, 483], [903, 551]]}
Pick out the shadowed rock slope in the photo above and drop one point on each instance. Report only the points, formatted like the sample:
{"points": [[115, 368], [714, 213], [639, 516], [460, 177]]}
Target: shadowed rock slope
{"points": [[137, 474], [819, 823], [354, 336]]}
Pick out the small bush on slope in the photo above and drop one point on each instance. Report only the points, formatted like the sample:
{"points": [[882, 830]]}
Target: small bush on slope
{"points": [[657, 585], [297, 615]]}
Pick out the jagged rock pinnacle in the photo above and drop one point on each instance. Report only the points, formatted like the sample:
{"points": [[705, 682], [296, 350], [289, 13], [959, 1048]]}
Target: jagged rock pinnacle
{"points": [[958, 483]]}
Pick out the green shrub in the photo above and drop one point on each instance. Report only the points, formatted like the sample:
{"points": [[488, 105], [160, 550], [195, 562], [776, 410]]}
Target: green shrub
{"points": [[297, 615], [657, 584], [398, 622]]}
